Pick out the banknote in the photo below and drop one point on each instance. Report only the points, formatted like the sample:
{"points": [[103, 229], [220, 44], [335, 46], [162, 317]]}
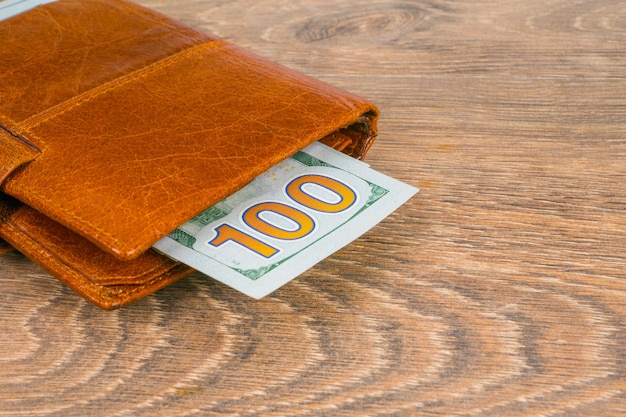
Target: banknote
{"points": [[286, 220]]}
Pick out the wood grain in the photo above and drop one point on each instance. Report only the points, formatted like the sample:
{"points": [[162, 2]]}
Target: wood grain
{"points": [[499, 290]]}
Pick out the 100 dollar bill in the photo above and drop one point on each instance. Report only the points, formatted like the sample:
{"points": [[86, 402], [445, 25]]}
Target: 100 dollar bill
{"points": [[286, 220]]}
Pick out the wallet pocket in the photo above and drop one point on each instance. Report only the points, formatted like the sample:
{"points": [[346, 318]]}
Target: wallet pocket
{"points": [[96, 275]]}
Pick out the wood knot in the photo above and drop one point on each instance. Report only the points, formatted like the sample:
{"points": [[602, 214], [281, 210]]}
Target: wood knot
{"points": [[382, 20]]}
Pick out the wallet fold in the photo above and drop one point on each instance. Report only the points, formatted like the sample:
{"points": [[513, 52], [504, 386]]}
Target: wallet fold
{"points": [[119, 124]]}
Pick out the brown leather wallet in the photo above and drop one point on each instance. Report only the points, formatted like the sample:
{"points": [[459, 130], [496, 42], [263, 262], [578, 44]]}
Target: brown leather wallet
{"points": [[118, 124]]}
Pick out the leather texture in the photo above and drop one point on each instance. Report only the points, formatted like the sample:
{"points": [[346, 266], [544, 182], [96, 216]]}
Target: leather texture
{"points": [[118, 124], [98, 276]]}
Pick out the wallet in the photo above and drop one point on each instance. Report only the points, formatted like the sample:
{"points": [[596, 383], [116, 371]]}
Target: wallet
{"points": [[119, 124]]}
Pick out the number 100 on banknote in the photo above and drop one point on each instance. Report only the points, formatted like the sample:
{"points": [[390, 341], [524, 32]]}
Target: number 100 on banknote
{"points": [[286, 220], [312, 204]]}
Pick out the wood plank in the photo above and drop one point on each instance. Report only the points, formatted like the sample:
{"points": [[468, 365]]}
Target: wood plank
{"points": [[498, 290]]}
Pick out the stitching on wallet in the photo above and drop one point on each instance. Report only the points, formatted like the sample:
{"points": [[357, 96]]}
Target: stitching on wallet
{"points": [[138, 74], [181, 30], [15, 126]]}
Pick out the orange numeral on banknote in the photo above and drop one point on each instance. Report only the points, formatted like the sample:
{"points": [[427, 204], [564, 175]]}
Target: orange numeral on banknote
{"points": [[315, 192]]}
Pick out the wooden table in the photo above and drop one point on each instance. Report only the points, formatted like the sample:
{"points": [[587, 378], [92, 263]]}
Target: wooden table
{"points": [[500, 289]]}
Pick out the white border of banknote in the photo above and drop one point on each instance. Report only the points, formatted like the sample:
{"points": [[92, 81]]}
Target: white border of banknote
{"points": [[383, 200]]}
